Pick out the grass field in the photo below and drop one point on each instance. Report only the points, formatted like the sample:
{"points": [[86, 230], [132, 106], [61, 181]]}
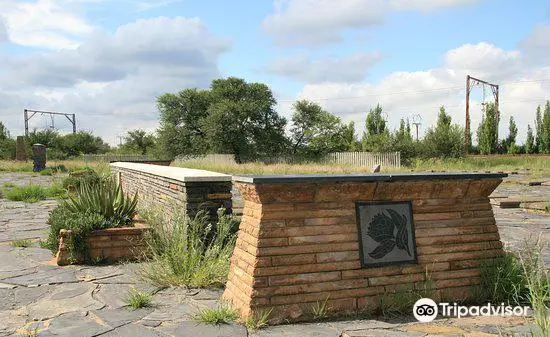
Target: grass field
{"points": [[70, 165], [539, 166]]}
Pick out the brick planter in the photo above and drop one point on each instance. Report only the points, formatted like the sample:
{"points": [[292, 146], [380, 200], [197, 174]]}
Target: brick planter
{"points": [[299, 241], [108, 245]]}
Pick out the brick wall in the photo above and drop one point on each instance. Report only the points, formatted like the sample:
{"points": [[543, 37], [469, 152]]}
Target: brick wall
{"points": [[169, 187], [298, 244], [108, 245]]}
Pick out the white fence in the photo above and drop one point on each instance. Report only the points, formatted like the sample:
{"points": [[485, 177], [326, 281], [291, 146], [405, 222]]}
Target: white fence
{"points": [[108, 158], [392, 159], [364, 159], [208, 158]]}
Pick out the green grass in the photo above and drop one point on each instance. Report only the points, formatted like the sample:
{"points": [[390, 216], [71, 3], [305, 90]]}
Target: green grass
{"points": [[320, 309], [33, 193], [137, 299], [22, 243], [503, 280], [54, 166], [222, 315], [28, 193], [8, 185], [188, 251], [258, 320]]}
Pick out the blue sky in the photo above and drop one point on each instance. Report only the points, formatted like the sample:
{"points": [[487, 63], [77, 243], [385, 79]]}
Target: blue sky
{"points": [[107, 60]]}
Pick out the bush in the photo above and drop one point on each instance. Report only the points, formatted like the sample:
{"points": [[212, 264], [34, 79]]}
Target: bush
{"points": [[189, 251], [63, 218], [29, 193], [77, 178]]}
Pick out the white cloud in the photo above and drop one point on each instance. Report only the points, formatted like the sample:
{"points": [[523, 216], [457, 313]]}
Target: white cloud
{"points": [[45, 23], [428, 5], [319, 22], [403, 94], [316, 22], [112, 81], [346, 69]]}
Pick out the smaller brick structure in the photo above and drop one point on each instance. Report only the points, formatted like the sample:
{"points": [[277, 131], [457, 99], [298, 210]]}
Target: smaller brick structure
{"points": [[175, 188], [108, 245]]}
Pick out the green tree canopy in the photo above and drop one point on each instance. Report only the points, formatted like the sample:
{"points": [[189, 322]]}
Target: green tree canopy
{"points": [[82, 142], [7, 144], [445, 140], [233, 116], [138, 140], [376, 137], [487, 131], [530, 141], [316, 132], [545, 130], [510, 142]]}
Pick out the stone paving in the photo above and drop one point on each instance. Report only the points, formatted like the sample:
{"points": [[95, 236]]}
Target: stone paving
{"points": [[42, 299]]}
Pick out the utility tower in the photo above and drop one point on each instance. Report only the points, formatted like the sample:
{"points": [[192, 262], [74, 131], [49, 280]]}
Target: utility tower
{"points": [[417, 121], [70, 117], [471, 82]]}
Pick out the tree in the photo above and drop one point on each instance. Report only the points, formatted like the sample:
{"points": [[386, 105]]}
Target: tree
{"points": [[529, 141], [316, 132], [181, 114], [376, 137], [233, 116], [350, 139], [545, 130], [510, 142], [7, 144], [138, 140], [487, 131], [538, 130], [445, 140], [49, 138], [403, 142], [82, 142]]}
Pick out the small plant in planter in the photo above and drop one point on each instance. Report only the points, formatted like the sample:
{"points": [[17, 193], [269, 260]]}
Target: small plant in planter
{"points": [[93, 208]]}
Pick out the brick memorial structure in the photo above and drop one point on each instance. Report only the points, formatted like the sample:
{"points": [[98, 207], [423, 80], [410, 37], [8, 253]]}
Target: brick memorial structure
{"points": [[348, 240], [166, 187]]}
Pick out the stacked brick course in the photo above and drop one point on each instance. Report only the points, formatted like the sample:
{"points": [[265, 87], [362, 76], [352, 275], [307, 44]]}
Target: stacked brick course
{"points": [[108, 245], [157, 188], [298, 243]]}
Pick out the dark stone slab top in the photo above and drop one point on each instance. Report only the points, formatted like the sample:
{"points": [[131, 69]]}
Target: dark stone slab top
{"points": [[362, 178]]}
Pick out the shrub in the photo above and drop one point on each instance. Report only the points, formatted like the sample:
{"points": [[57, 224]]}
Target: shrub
{"points": [[189, 251], [76, 178], [63, 218], [29, 193], [105, 198]]}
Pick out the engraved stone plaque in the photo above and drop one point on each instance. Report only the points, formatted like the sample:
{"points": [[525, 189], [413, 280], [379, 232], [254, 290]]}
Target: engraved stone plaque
{"points": [[386, 233]]}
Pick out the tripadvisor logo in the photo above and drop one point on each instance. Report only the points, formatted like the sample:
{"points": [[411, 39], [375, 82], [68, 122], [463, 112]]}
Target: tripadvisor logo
{"points": [[426, 310]]}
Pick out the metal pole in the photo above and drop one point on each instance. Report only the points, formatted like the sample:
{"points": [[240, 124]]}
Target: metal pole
{"points": [[26, 123], [467, 124], [74, 123]]}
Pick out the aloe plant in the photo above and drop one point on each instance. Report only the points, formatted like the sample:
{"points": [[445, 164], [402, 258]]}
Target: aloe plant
{"points": [[105, 198]]}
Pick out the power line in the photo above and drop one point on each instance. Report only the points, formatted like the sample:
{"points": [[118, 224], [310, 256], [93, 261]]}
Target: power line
{"points": [[426, 91]]}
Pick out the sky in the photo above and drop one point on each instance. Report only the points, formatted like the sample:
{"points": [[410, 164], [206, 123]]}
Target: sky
{"points": [[107, 61]]}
